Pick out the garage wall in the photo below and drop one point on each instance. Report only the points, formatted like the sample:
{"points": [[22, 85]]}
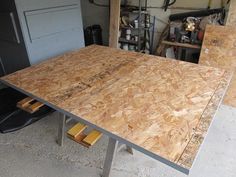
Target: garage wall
{"points": [[50, 27]]}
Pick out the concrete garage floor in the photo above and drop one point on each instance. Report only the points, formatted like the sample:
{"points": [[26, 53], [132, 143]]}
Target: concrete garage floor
{"points": [[32, 152]]}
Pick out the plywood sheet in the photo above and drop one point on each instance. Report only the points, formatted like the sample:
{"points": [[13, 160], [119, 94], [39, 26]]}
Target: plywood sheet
{"points": [[151, 102], [219, 50]]}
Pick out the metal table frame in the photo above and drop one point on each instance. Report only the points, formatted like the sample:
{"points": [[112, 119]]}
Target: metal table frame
{"points": [[111, 149]]}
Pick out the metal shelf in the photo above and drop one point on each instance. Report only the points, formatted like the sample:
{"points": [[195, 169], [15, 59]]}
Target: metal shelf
{"points": [[133, 12], [145, 34], [142, 28]]}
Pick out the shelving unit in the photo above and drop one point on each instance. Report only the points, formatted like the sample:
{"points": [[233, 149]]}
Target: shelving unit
{"points": [[132, 42], [141, 37]]}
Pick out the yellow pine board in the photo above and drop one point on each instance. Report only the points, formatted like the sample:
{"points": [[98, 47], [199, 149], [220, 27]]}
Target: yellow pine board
{"points": [[25, 102], [92, 137], [79, 138], [35, 107], [76, 130]]}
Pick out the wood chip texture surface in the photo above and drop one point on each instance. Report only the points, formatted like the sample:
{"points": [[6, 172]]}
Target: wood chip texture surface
{"points": [[231, 19], [219, 50], [154, 103]]}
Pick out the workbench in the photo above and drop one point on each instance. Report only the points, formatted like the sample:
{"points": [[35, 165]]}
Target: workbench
{"points": [[161, 107]]}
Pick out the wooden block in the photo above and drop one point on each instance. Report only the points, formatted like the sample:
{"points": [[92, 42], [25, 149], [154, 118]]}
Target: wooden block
{"points": [[92, 137], [34, 107], [79, 139], [29, 105], [77, 135], [25, 102], [76, 130]]}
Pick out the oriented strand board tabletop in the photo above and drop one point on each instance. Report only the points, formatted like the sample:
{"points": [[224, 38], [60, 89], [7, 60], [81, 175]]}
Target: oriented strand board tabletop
{"points": [[231, 19], [219, 50], [159, 106]]}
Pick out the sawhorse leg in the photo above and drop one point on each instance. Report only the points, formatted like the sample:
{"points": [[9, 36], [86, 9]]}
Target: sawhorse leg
{"points": [[61, 128], [110, 155]]}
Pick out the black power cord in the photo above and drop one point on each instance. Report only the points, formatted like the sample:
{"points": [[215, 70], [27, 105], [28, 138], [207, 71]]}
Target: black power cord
{"points": [[168, 3]]}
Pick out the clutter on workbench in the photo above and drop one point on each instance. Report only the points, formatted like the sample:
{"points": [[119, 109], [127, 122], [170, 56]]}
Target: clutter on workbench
{"points": [[184, 34], [136, 29]]}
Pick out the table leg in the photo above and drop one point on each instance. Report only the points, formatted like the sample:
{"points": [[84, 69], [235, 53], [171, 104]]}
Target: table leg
{"points": [[61, 128], [110, 155]]}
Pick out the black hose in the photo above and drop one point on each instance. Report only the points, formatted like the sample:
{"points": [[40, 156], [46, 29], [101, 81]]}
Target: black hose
{"points": [[200, 13], [167, 3]]}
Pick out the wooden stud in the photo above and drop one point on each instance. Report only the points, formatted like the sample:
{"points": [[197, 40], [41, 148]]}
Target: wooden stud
{"points": [[25, 102], [76, 130], [79, 139], [26, 105], [77, 135], [35, 107], [114, 23], [92, 137]]}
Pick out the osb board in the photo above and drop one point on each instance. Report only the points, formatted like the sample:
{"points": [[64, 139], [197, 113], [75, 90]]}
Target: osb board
{"points": [[152, 102], [230, 97], [231, 19], [192, 148], [219, 50]]}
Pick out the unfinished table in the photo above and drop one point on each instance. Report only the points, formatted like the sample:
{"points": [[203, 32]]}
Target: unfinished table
{"points": [[158, 106]]}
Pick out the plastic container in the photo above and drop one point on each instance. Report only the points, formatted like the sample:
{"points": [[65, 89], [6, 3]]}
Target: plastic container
{"points": [[93, 35]]}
